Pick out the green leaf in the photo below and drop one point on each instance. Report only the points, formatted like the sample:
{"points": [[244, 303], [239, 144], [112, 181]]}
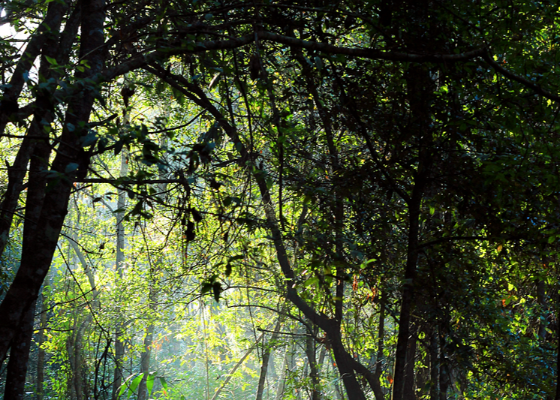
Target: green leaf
{"points": [[71, 168], [89, 139], [51, 60], [150, 383], [318, 62], [163, 382], [206, 287], [126, 387], [123, 389], [311, 281], [135, 383]]}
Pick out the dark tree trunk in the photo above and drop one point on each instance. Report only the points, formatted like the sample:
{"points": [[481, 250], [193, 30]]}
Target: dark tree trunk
{"points": [[407, 298], [444, 378], [557, 397], [49, 27], [409, 387], [336, 383], [21, 344], [41, 352], [345, 364], [434, 366], [19, 356], [419, 87], [54, 47], [36, 261]]}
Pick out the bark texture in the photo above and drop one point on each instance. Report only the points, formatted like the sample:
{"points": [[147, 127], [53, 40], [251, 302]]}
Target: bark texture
{"points": [[35, 263]]}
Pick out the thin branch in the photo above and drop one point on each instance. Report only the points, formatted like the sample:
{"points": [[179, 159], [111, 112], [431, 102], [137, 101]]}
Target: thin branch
{"points": [[121, 182], [445, 239], [525, 82]]}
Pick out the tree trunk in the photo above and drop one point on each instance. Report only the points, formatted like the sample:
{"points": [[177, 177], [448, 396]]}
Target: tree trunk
{"points": [[345, 365], [146, 354], [409, 392], [21, 344], [313, 370], [38, 42], [407, 298], [71, 352], [121, 204], [41, 352], [145, 363], [434, 366], [377, 391], [76, 357], [418, 85], [322, 355], [19, 356], [36, 261], [266, 356], [336, 383], [444, 378], [557, 397], [284, 372]]}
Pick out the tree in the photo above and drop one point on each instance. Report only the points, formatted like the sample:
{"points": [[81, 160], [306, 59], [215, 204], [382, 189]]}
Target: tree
{"points": [[386, 149]]}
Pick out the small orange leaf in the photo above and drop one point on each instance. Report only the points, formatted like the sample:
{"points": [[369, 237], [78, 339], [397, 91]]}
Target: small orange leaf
{"points": [[390, 379]]}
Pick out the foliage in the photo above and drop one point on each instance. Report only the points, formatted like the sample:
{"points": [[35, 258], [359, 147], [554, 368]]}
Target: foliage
{"points": [[302, 199]]}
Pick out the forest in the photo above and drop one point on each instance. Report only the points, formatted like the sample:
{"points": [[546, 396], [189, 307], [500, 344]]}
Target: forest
{"points": [[279, 199]]}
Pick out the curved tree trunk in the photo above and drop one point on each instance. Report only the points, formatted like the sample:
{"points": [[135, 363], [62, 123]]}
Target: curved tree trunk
{"points": [[21, 343], [344, 361]]}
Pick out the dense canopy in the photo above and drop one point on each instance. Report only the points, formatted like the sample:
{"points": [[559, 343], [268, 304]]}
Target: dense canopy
{"points": [[279, 199]]}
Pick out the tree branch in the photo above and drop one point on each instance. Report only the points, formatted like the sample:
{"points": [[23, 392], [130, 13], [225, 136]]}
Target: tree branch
{"points": [[525, 82]]}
